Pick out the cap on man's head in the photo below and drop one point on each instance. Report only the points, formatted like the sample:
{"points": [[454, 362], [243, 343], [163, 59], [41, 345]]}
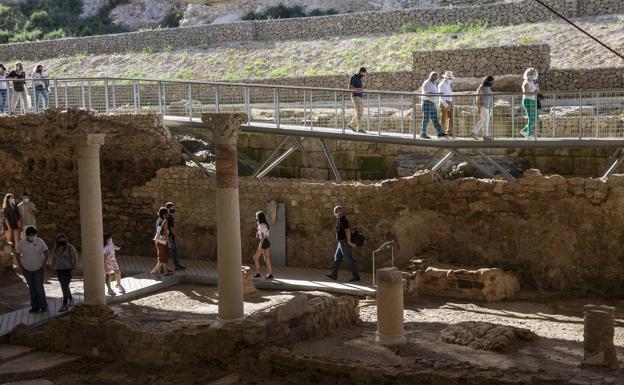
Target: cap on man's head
{"points": [[169, 204], [362, 69]]}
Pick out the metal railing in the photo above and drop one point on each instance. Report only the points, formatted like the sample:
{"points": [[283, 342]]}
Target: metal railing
{"points": [[586, 114]]}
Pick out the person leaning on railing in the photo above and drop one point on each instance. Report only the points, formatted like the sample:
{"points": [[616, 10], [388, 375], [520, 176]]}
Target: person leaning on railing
{"points": [[19, 86], [530, 90], [41, 87]]}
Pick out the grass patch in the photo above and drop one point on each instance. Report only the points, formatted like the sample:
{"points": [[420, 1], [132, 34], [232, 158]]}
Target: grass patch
{"points": [[444, 29]]}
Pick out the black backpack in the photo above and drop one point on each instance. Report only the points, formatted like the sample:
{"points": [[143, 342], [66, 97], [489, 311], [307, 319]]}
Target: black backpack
{"points": [[357, 238]]}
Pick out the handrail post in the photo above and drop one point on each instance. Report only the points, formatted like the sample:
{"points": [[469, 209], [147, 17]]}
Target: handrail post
{"points": [[414, 117], [56, 103], [344, 117], [160, 107], [276, 103], [368, 108], [305, 110], [89, 89], [9, 105], [164, 98], [373, 268], [114, 101], [82, 94], [190, 101], [513, 116], [401, 114], [379, 113], [311, 107], [134, 96], [335, 110], [66, 96], [248, 103], [217, 101], [35, 102], [106, 94], [580, 115], [138, 95]]}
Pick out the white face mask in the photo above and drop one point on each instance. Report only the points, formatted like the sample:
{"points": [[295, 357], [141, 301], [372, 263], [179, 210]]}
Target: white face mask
{"points": [[26, 199], [12, 201], [534, 76], [31, 238], [337, 215]]}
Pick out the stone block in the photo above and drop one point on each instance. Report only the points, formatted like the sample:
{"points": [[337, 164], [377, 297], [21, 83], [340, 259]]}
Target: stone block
{"points": [[484, 284]]}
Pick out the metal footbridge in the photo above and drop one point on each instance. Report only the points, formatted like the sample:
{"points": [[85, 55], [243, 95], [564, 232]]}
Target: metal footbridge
{"points": [[582, 119]]}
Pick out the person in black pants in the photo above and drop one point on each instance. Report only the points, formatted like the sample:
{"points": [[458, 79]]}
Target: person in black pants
{"points": [[64, 260], [343, 250], [32, 255], [170, 206]]}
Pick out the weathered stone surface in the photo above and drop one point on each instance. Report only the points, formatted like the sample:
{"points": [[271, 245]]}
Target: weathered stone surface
{"points": [[598, 336], [483, 284], [486, 336], [35, 361]]}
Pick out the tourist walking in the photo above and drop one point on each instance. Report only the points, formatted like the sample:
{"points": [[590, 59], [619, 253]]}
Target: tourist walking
{"points": [[162, 243], [485, 103], [4, 89], [111, 267], [344, 247], [356, 83], [446, 102], [21, 91], [173, 239], [27, 211], [64, 261], [264, 245], [32, 255], [12, 220], [529, 102], [429, 100], [41, 83]]}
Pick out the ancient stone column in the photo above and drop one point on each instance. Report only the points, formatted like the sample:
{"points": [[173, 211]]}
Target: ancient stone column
{"points": [[224, 129], [390, 307], [91, 228], [598, 337]]}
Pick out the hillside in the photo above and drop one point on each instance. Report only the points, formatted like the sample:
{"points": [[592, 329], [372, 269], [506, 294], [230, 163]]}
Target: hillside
{"points": [[340, 55]]}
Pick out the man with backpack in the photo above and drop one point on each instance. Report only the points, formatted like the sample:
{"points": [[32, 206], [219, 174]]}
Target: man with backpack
{"points": [[343, 250]]}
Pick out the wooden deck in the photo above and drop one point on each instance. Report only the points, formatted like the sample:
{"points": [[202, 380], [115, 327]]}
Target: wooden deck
{"points": [[139, 282]]}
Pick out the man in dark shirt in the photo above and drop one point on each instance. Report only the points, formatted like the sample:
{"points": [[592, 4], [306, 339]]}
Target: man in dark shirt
{"points": [[356, 84], [343, 250], [172, 236]]}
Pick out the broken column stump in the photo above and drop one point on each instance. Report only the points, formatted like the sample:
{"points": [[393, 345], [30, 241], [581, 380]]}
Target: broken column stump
{"points": [[598, 337]]}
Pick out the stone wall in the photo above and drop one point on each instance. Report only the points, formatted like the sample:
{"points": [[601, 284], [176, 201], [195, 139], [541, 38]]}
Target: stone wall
{"points": [[557, 233], [38, 156], [479, 62], [328, 26], [90, 329]]}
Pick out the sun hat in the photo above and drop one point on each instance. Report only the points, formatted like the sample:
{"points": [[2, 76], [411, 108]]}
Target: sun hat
{"points": [[448, 75]]}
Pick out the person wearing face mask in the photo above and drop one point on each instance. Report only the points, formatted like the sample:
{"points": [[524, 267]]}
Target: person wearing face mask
{"points": [[32, 255], [111, 266], [356, 84], [530, 90], [4, 89], [343, 249], [12, 220], [41, 88], [446, 102], [64, 261], [19, 86], [429, 99], [27, 211], [170, 206], [485, 102]]}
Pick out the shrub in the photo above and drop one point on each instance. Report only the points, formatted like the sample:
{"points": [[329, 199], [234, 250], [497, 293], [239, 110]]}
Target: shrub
{"points": [[287, 12], [172, 19]]}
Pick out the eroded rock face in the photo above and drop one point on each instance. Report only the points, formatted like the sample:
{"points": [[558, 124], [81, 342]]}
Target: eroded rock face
{"points": [[487, 336], [482, 284]]}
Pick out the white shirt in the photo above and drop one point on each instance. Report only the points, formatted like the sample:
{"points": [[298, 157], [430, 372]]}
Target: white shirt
{"points": [[42, 75], [429, 87], [31, 254], [532, 88], [263, 231], [445, 88]]}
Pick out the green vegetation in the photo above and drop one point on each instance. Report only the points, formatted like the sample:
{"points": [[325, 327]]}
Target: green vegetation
{"points": [[446, 29], [286, 12], [47, 19], [173, 18]]}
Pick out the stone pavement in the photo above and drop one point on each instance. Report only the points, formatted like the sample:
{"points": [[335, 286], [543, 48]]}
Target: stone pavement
{"points": [[139, 281], [15, 359]]}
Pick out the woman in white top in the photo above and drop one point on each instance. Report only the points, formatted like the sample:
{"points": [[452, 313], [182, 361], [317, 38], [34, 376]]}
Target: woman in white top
{"points": [[529, 101], [263, 245]]}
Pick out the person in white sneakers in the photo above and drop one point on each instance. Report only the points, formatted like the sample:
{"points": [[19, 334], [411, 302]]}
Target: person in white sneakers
{"points": [[485, 102]]}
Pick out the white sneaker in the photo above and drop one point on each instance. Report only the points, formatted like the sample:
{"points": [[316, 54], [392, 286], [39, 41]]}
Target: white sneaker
{"points": [[523, 133], [531, 137]]}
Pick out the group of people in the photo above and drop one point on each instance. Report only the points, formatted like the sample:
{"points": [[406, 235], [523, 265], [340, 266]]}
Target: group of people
{"points": [[166, 242], [437, 104], [16, 79]]}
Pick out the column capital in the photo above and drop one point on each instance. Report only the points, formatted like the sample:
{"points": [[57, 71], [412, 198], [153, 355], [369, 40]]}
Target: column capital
{"points": [[224, 127], [88, 140]]}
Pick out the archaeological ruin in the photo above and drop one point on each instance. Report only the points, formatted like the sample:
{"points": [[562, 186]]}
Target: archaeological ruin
{"points": [[210, 219]]}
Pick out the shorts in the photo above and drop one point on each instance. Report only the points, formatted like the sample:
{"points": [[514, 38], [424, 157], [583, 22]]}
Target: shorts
{"points": [[265, 244]]}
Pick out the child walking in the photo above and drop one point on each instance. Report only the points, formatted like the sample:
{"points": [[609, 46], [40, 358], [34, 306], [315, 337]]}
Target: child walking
{"points": [[263, 246], [111, 266]]}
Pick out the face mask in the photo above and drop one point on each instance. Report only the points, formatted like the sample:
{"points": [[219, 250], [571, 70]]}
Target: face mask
{"points": [[534, 77], [109, 242], [12, 201], [172, 211], [62, 243], [31, 238], [26, 199], [337, 215]]}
